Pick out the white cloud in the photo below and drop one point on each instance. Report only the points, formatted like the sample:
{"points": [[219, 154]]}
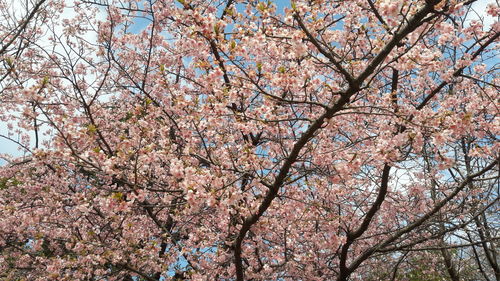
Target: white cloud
{"points": [[479, 13]]}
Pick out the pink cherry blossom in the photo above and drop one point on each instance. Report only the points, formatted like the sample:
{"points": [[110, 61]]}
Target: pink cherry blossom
{"points": [[248, 140]]}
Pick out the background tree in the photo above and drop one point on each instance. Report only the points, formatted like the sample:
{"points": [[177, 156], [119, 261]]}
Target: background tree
{"points": [[251, 140]]}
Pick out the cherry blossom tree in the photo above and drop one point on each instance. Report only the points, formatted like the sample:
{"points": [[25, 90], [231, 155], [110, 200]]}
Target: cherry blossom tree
{"points": [[250, 140]]}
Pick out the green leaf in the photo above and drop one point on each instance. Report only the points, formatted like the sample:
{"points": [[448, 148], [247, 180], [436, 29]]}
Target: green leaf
{"points": [[45, 81], [91, 129], [117, 196], [9, 182], [261, 6], [3, 183]]}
